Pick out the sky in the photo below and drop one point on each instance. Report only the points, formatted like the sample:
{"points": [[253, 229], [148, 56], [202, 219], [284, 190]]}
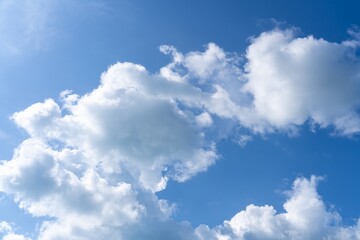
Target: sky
{"points": [[196, 120]]}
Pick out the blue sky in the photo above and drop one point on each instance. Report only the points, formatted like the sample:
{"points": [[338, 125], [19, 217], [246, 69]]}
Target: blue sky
{"points": [[179, 119]]}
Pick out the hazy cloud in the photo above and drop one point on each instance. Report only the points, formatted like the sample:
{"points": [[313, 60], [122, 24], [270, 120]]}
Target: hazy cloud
{"points": [[7, 232], [24, 25]]}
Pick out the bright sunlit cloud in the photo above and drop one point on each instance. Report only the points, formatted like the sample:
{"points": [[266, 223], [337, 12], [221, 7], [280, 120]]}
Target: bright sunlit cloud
{"points": [[92, 163]]}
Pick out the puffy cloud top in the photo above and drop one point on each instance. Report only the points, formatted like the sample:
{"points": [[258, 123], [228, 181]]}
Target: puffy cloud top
{"points": [[293, 80], [93, 163], [305, 217]]}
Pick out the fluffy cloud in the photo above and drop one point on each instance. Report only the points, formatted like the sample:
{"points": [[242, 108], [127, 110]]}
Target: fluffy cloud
{"points": [[293, 80], [305, 217], [93, 163], [285, 82], [131, 124], [42, 185]]}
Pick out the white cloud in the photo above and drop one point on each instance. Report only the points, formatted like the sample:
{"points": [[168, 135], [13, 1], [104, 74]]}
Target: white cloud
{"points": [[7, 232], [82, 206], [285, 81], [37, 118], [305, 217], [293, 80], [126, 124], [207, 69], [93, 163], [204, 119]]}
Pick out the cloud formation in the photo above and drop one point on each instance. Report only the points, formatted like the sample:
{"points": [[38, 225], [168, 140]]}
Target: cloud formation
{"points": [[286, 81], [131, 124], [305, 217], [294, 80], [93, 163]]}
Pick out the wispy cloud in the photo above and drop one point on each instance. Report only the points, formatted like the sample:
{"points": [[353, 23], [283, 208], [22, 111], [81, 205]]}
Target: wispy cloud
{"points": [[7, 232], [25, 25], [33, 25]]}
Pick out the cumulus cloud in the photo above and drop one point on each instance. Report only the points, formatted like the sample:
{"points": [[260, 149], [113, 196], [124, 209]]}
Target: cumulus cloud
{"points": [[93, 163], [305, 217], [131, 122], [284, 81], [293, 80], [41, 184]]}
